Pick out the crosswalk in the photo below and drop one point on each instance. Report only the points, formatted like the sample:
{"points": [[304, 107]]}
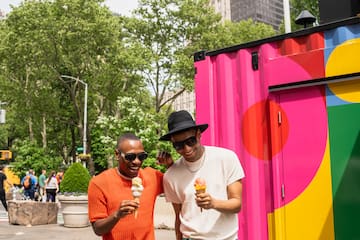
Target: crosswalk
{"points": [[3, 216]]}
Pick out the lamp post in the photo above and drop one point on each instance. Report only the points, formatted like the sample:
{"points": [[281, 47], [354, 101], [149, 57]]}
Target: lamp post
{"points": [[287, 21], [2, 112], [85, 107]]}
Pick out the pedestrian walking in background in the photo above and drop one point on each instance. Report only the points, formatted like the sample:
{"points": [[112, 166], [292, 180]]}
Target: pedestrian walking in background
{"points": [[211, 214], [51, 187], [3, 179], [42, 182], [29, 183], [111, 203], [59, 177]]}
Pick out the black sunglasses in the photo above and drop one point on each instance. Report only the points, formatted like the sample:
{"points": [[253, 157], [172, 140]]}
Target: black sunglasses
{"points": [[191, 141], [132, 156]]}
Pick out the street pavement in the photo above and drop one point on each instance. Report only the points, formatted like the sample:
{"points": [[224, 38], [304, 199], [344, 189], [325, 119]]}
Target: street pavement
{"points": [[163, 221]]}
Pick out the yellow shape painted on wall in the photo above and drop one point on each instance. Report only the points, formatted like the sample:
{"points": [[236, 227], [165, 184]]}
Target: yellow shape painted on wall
{"points": [[348, 91], [310, 215], [344, 59]]}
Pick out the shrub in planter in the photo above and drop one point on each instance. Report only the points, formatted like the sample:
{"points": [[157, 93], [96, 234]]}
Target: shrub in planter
{"points": [[76, 180], [73, 197]]}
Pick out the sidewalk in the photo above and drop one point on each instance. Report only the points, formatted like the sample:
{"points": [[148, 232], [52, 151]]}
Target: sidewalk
{"points": [[163, 227]]}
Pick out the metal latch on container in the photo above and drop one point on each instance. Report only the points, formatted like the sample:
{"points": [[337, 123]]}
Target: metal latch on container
{"points": [[255, 60]]}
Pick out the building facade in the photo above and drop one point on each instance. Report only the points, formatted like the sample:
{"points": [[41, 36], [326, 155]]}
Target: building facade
{"points": [[267, 11], [185, 101], [222, 7], [2, 14]]}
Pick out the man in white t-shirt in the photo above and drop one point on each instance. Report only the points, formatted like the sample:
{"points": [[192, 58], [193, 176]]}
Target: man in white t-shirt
{"points": [[208, 215]]}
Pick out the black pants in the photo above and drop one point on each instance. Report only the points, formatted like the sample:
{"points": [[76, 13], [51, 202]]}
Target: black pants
{"points": [[30, 193], [3, 199], [50, 195]]}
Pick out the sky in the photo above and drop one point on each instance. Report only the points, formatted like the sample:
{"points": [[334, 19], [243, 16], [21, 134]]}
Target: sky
{"points": [[124, 7]]}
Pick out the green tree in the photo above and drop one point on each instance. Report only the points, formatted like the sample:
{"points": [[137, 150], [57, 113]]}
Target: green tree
{"points": [[41, 41], [169, 32], [135, 119], [30, 156], [44, 40]]}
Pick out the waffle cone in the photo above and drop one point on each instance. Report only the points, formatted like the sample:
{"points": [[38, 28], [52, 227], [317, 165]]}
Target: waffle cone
{"points": [[200, 189], [136, 211]]}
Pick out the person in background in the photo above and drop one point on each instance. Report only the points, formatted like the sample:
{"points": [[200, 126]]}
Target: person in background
{"points": [[59, 177], [213, 213], [3, 179], [42, 182], [29, 189], [51, 187], [111, 203]]}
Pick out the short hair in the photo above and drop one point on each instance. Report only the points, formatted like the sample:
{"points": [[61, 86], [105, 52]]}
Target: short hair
{"points": [[1, 167], [127, 136]]}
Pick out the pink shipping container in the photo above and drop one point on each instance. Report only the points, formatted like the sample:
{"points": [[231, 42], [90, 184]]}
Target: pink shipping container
{"points": [[289, 106]]}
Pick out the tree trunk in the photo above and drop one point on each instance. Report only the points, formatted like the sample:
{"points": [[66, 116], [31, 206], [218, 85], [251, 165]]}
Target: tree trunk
{"points": [[43, 132], [31, 132]]}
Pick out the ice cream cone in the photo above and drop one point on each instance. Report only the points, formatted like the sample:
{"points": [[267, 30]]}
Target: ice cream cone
{"points": [[136, 189], [200, 186]]}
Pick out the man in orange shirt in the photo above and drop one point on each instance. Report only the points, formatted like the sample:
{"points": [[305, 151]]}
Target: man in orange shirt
{"points": [[111, 203]]}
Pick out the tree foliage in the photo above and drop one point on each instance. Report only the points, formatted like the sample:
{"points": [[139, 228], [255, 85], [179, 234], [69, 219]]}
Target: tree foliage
{"points": [[134, 67], [169, 32], [135, 119], [45, 40], [30, 156]]}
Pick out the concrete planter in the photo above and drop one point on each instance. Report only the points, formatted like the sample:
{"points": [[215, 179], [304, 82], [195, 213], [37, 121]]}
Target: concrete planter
{"points": [[30, 213], [74, 210]]}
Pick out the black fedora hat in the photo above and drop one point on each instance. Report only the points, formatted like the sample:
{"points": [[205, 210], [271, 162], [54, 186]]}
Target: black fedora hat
{"points": [[180, 121]]}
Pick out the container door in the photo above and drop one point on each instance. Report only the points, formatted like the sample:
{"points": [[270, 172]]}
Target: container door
{"points": [[301, 166]]}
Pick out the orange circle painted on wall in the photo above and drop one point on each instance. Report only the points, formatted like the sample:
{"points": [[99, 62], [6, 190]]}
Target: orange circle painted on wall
{"points": [[261, 121]]}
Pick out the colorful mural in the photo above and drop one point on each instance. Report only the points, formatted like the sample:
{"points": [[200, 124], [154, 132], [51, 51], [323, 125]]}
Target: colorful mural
{"points": [[343, 107], [299, 143]]}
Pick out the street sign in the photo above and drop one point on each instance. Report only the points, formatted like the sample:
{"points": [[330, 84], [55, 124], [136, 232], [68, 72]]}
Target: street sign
{"points": [[79, 149], [5, 154]]}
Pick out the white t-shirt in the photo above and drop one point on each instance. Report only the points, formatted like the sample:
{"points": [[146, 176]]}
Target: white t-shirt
{"points": [[219, 167], [52, 184]]}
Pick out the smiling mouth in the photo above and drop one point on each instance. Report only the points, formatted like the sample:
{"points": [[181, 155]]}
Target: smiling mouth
{"points": [[188, 154]]}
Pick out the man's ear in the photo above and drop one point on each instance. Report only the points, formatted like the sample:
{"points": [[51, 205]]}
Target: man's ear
{"points": [[198, 133], [117, 152]]}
